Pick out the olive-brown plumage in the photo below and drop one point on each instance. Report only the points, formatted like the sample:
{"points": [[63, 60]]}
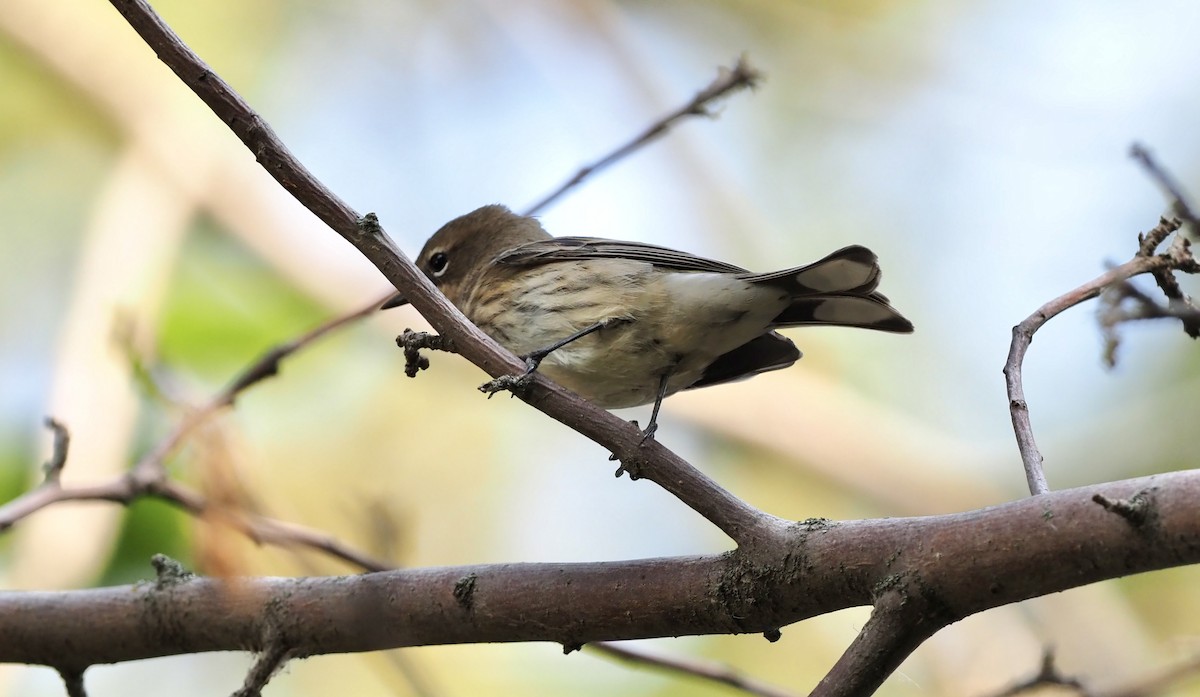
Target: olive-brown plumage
{"points": [[652, 321]]}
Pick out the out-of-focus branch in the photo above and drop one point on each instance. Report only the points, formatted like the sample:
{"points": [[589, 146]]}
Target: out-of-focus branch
{"points": [[728, 80], [1048, 674], [720, 674], [268, 364], [149, 477], [1149, 685], [1179, 202]]}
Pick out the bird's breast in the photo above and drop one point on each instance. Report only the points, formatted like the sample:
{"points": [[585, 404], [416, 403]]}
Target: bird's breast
{"points": [[656, 323]]}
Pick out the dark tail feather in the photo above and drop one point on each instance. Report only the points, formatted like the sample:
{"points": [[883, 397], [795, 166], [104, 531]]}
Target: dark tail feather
{"points": [[870, 311], [770, 351], [851, 269]]}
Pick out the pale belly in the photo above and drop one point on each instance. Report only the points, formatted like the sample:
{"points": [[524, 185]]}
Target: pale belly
{"points": [[672, 324]]}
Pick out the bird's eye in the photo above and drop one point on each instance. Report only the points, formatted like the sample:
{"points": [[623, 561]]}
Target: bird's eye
{"points": [[438, 262]]}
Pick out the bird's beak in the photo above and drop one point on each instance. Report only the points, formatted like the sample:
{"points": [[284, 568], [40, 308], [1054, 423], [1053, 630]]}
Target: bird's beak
{"points": [[396, 300]]}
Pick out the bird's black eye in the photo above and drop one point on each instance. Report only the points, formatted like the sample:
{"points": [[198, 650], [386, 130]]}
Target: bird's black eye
{"points": [[438, 261]]}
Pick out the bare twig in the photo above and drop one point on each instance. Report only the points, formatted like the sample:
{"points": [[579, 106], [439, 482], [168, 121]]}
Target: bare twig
{"points": [[412, 342], [1179, 203], [268, 364], [720, 674], [1181, 208], [1136, 509], [127, 489], [265, 666], [149, 477], [1144, 686], [728, 81], [73, 681], [1048, 674], [1023, 333], [1124, 302]]}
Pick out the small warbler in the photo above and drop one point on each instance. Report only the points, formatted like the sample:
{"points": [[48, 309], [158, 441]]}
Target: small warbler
{"points": [[624, 323]]}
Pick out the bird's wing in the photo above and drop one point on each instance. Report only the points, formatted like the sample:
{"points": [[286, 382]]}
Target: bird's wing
{"points": [[585, 248]]}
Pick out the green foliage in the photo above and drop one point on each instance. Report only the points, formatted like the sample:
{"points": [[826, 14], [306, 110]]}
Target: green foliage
{"points": [[225, 307], [149, 527], [46, 104]]}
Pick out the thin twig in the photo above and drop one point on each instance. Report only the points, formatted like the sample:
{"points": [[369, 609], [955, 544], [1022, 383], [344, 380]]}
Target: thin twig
{"points": [[1136, 509], [1180, 207], [1144, 686], [268, 364], [1124, 302], [125, 490], [265, 666], [73, 681], [149, 477], [1179, 202], [728, 81], [1023, 333], [712, 672], [1048, 674]]}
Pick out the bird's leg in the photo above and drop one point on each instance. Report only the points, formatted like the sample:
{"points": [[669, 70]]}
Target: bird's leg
{"points": [[651, 427], [534, 358]]}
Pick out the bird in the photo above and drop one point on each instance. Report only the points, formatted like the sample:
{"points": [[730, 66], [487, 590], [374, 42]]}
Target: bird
{"points": [[625, 324]]}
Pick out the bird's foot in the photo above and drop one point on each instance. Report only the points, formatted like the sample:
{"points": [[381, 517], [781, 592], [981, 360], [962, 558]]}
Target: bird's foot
{"points": [[516, 384]]}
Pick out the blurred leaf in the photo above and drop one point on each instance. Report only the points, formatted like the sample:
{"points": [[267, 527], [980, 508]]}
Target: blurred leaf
{"points": [[226, 307], [45, 104]]}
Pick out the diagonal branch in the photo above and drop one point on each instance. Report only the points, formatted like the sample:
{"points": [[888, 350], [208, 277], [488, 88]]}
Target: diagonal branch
{"points": [[1179, 203], [729, 80], [742, 522], [899, 623], [719, 674]]}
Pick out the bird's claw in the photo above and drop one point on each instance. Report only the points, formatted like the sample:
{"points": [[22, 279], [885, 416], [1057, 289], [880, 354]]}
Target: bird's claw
{"points": [[516, 384]]}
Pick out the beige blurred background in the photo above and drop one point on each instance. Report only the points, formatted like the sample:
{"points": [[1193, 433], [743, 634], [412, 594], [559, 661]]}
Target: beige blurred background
{"points": [[977, 147]]}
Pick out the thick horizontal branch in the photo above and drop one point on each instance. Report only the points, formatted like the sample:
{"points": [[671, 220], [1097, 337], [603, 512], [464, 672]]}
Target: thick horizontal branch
{"points": [[948, 566]]}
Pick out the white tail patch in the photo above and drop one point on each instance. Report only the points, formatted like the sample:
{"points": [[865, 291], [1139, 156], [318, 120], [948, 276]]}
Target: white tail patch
{"points": [[836, 275], [851, 310]]}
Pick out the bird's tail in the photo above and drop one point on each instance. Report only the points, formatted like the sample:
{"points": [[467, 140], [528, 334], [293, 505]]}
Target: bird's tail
{"points": [[837, 290]]}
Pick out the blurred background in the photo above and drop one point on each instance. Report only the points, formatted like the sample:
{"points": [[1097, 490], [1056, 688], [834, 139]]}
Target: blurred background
{"points": [[980, 148]]}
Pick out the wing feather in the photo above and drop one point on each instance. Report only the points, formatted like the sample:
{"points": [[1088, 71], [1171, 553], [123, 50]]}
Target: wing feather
{"points": [[586, 248]]}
